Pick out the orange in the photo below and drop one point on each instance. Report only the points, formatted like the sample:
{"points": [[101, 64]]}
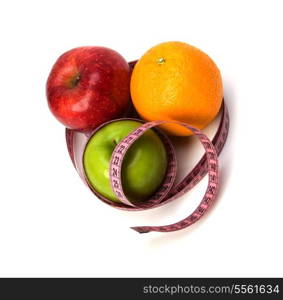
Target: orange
{"points": [[176, 81]]}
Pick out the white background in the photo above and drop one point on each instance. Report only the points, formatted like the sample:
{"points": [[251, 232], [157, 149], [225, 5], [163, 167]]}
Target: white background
{"points": [[52, 225]]}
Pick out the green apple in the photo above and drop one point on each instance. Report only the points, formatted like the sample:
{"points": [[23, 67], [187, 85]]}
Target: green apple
{"points": [[144, 166]]}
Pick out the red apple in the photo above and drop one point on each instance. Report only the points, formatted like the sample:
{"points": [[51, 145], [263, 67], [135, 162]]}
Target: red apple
{"points": [[88, 86]]}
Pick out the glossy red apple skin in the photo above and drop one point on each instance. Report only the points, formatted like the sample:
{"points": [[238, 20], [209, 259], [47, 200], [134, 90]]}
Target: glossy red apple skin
{"points": [[88, 86]]}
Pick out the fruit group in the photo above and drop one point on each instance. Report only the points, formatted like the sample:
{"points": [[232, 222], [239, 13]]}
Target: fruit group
{"points": [[144, 166], [88, 86], [178, 82]]}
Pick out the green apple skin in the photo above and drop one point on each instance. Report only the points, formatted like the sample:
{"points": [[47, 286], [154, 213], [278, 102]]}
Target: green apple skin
{"points": [[144, 166]]}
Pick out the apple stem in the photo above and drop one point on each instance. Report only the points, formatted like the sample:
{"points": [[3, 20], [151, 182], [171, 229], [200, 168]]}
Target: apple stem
{"points": [[74, 81]]}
